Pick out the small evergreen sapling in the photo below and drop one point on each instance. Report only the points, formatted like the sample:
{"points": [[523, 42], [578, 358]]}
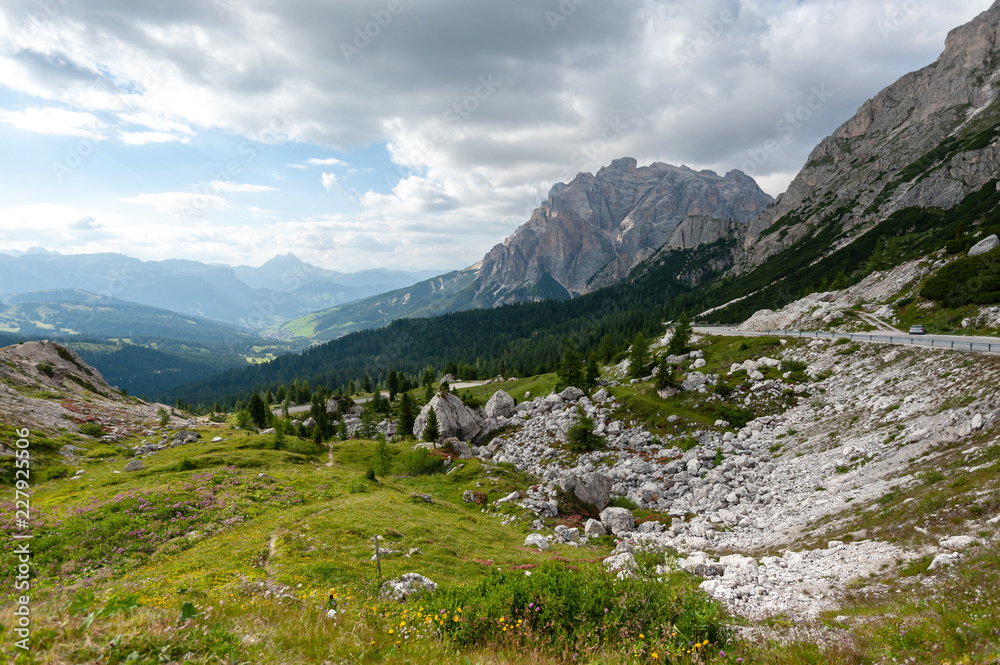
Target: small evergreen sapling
{"points": [[431, 432], [581, 438]]}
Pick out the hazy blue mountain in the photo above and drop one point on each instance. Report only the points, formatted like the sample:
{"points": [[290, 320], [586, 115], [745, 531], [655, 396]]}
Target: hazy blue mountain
{"points": [[280, 290]]}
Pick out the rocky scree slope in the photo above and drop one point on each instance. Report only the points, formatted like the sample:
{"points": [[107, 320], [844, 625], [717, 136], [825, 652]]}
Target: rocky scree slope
{"points": [[868, 422], [48, 388], [593, 231], [927, 140]]}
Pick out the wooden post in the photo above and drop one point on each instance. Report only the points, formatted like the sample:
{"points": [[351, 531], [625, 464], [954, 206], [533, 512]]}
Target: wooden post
{"points": [[378, 559]]}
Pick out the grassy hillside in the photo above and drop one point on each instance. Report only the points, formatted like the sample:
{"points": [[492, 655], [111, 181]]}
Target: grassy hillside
{"points": [[450, 292], [255, 560]]}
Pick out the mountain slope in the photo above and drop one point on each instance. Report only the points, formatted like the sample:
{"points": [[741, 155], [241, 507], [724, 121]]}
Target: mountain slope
{"points": [[442, 294], [928, 140]]}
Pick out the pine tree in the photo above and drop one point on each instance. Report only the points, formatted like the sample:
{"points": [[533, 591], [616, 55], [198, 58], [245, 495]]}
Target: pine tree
{"points": [[570, 371], [268, 397], [638, 357], [607, 350], [258, 412], [593, 372], [680, 343], [406, 415], [666, 374], [431, 432], [581, 438], [369, 421], [393, 385], [366, 385]]}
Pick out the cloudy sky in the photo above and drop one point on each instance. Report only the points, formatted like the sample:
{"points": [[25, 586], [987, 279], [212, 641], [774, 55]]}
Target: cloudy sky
{"points": [[406, 133]]}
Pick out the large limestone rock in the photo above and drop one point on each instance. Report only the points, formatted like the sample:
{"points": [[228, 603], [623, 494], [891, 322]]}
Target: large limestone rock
{"points": [[454, 418], [500, 405], [987, 244], [593, 488], [618, 520], [408, 584]]}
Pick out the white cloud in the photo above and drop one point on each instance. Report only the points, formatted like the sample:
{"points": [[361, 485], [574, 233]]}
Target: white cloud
{"points": [[329, 161], [142, 138], [329, 180], [55, 121], [481, 125], [185, 204], [87, 223], [223, 186]]}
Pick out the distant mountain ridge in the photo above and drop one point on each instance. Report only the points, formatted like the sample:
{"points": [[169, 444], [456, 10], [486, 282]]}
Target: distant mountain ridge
{"points": [[281, 289]]}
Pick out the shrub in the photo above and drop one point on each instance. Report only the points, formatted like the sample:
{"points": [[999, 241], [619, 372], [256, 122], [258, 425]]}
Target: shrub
{"points": [[186, 464], [581, 438], [736, 416], [358, 486], [91, 429], [622, 502], [966, 281], [164, 416], [420, 462], [566, 611], [53, 472], [381, 459]]}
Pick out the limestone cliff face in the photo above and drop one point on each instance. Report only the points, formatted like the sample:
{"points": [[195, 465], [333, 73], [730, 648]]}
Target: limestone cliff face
{"points": [[606, 224], [927, 140]]}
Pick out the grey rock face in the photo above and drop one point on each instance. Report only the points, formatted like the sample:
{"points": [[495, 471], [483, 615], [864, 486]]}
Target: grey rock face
{"points": [[859, 165], [454, 418], [618, 520], [500, 405], [536, 540], [987, 244], [594, 529], [593, 488], [134, 465], [608, 223]]}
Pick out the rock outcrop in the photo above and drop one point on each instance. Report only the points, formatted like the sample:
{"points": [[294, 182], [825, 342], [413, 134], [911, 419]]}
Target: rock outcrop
{"points": [[608, 223], [454, 418]]}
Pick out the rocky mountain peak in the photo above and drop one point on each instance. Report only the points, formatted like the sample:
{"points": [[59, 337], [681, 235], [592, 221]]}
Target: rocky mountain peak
{"points": [[608, 223]]}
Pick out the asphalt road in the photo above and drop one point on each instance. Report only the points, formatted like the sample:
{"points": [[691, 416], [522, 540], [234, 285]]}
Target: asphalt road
{"points": [[957, 342]]}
